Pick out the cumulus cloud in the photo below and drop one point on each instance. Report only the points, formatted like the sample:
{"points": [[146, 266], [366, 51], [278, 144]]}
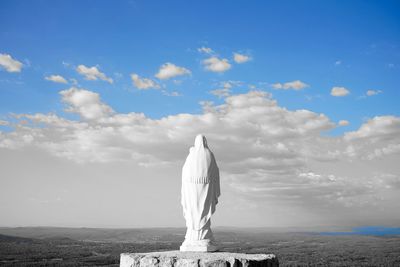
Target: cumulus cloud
{"points": [[373, 92], [240, 58], [86, 103], [339, 91], [379, 126], [264, 151], [9, 64], [205, 50], [294, 85], [215, 64], [56, 79], [93, 73], [376, 138], [143, 83], [265, 121], [169, 70], [343, 123], [223, 92], [225, 88]]}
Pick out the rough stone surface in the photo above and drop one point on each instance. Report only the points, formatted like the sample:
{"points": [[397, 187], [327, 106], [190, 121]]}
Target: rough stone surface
{"points": [[197, 259]]}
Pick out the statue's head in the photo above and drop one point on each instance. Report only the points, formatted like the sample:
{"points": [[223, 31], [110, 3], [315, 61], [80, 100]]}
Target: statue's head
{"points": [[200, 141]]}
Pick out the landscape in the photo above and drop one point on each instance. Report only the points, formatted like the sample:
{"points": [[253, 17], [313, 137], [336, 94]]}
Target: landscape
{"points": [[51, 246]]}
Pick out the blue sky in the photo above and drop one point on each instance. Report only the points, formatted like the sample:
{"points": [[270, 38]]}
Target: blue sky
{"points": [[287, 40], [293, 52]]}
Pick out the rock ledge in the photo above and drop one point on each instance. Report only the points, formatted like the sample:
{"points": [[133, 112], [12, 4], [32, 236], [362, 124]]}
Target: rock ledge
{"points": [[197, 259]]}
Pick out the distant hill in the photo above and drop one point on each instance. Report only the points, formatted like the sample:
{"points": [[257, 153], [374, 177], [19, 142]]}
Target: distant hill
{"points": [[53, 246], [167, 235], [16, 239], [98, 234]]}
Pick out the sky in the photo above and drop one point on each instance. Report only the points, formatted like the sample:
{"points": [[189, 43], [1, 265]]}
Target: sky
{"points": [[100, 102]]}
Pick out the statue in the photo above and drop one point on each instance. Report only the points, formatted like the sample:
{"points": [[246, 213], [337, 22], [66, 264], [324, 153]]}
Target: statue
{"points": [[200, 192]]}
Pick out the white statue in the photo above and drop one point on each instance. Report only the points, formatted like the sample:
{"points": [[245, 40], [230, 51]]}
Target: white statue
{"points": [[200, 192]]}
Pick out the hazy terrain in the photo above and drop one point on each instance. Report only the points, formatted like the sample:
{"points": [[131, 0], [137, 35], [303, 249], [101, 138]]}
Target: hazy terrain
{"points": [[50, 246]]}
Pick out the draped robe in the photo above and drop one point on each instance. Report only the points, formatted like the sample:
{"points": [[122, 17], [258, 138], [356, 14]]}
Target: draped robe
{"points": [[200, 191]]}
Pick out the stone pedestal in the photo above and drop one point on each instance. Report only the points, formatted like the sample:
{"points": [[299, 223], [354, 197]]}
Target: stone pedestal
{"points": [[197, 259]]}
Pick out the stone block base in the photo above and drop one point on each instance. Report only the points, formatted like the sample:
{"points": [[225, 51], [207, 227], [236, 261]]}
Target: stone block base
{"points": [[197, 259]]}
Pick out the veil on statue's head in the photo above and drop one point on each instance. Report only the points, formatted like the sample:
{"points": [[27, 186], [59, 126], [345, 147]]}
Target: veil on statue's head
{"points": [[199, 162], [200, 141]]}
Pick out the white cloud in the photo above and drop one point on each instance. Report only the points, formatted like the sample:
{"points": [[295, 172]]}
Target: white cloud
{"points": [[240, 58], [66, 64], [376, 138], [295, 85], [86, 103], [373, 92], [56, 79], [264, 151], [10, 64], [338, 62], [205, 50], [73, 81], [265, 125], [169, 70], [379, 126], [173, 93], [223, 92], [343, 123], [92, 73], [225, 89], [215, 64], [339, 91], [384, 151], [143, 83]]}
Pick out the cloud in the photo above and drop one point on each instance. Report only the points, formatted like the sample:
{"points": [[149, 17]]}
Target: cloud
{"points": [[215, 64], [10, 64], [338, 62], [339, 91], [240, 58], [295, 85], [376, 138], [143, 83], [343, 123], [92, 73], [265, 151], [379, 126], [373, 92], [169, 70], [225, 89], [205, 50], [86, 103], [263, 119], [56, 79], [223, 92], [173, 93]]}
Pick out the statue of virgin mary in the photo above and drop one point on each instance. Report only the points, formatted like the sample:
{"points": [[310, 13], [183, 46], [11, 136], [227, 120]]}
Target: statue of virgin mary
{"points": [[200, 192]]}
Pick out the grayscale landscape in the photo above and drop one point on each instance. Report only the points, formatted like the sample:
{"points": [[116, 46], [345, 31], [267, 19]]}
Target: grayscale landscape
{"points": [[49, 246]]}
